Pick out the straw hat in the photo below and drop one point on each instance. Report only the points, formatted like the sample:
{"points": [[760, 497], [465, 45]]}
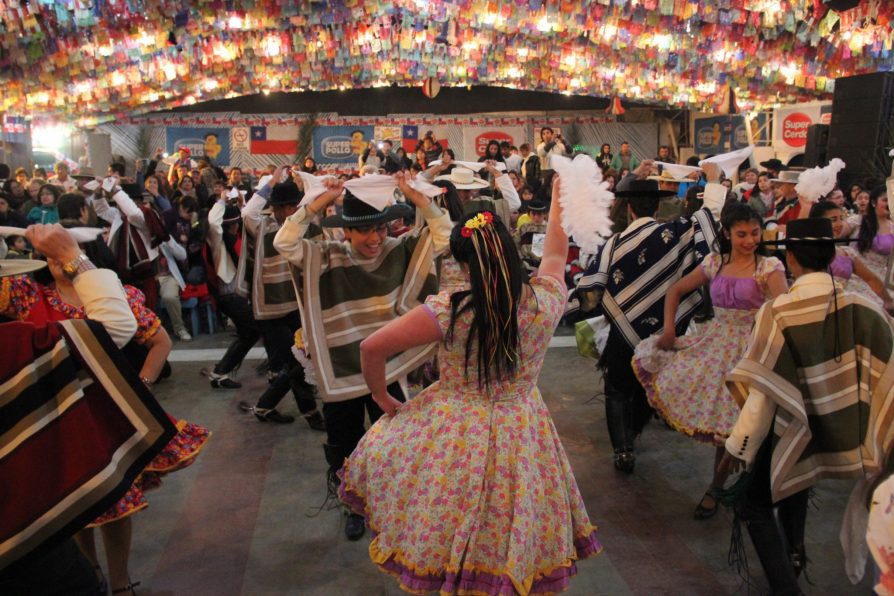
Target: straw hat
{"points": [[666, 176], [787, 177]]}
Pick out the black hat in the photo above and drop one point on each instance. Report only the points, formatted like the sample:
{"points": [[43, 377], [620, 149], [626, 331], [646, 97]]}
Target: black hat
{"points": [[773, 164], [357, 214], [285, 193], [646, 189], [536, 206], [808, 231]]}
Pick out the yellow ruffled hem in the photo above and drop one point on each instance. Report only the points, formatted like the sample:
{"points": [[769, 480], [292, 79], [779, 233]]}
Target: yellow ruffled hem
{"points": [[657, 402], [380, 557]]}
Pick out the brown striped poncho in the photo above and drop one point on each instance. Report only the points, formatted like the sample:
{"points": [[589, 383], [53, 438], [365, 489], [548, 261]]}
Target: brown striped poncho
{"points": [[833, 415], [345, 298]]}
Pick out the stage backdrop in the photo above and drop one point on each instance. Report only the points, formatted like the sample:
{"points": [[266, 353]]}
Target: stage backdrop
{"points": [[254, 141]]}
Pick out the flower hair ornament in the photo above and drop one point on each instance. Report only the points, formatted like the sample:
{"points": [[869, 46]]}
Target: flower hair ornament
{"points": [[480, 220], [485, 239]]}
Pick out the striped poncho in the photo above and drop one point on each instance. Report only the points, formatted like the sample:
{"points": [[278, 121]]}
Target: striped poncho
{"points": [[345, 297], [635, 269], [833, 415]]}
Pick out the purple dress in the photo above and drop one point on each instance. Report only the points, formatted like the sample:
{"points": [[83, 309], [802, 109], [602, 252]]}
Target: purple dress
{"points": [[842, 269], [686, 385]]}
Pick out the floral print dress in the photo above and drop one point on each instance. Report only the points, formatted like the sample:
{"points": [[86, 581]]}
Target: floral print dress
{"points": [[687, 385], [469, 492], [23, 299]]}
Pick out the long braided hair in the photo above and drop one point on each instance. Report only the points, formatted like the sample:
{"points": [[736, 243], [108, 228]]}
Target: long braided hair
{"points": [[497, 279]]}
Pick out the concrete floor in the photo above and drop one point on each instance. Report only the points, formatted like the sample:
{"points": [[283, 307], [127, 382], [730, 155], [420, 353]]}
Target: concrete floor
{"points": [[245, 518]]}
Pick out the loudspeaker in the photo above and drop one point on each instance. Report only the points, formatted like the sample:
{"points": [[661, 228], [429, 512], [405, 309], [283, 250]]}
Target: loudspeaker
{"points": [[862, 130], [815, 153]]}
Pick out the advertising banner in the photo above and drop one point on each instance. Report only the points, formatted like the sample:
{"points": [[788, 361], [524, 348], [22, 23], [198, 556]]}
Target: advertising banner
{"points": [[210, 142], [341, 144], [791, 124], [476, 138], [720, 134]]}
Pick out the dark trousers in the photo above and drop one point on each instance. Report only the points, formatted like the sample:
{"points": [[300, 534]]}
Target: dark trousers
{"points": [[279, 337], [775, 537], [626, 408], [238, 310], [62, 570], [345, 420]]}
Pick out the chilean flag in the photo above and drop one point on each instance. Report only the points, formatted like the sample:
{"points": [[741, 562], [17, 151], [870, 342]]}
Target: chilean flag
{"points": [[409, 138], [274, 140]]}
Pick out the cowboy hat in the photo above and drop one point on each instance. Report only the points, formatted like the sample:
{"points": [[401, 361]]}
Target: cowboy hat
{"points": [[667, 177], [808, 231], [644, 189], [773, 164], [787, 177], [464, 179], [358, 214], [285, 193], [20, 266]]}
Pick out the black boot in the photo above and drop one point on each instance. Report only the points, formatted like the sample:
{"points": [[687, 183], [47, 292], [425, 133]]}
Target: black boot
{"points": [[355, 526], [769, 544], [617, 416]]}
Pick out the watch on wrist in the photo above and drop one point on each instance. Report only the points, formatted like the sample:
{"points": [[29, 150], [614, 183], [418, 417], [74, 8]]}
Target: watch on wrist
{"points": [[77, 266]]}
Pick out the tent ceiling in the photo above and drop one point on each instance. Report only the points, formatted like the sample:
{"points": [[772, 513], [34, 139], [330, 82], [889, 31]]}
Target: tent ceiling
{"points": [[121, 57]]}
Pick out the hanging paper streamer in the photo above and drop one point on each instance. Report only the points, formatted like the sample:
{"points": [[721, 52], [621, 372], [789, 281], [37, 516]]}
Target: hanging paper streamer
{"points": [[118, 58]]}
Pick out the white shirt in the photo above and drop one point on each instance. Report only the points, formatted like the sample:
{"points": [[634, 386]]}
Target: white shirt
{"points": [[104, 301]]}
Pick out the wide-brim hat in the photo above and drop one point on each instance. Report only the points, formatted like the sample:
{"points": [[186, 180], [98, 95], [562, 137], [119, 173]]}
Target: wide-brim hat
{"points": [[464, 179], [10, 267], [536, 206], [808, 231], [773, 164], [645, 189], [358, 214], [285, 193], [787, 177], [85, 174]]}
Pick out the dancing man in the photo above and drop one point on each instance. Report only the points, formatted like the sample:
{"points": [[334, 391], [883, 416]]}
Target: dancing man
{"points": [[628, 281]]}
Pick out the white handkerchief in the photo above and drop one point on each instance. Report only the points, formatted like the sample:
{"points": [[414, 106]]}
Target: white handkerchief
{"points": [[429, 190], [729, 162], [80, 235], [376, 190], [234, 193], [314, 186]]}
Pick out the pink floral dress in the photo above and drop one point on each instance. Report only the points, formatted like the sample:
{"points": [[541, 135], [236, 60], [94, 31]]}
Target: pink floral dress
{"points": [[687, 385], [470, 493]]}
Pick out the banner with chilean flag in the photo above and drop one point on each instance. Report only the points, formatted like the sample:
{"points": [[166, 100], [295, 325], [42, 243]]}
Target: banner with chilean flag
{"points": [[273, 140]]}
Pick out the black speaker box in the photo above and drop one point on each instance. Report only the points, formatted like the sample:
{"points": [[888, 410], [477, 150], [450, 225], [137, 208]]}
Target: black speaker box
{"points": [[815, 153], [862, 129]]}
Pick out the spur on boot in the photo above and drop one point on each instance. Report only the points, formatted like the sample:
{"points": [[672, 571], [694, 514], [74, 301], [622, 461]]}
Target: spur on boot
{"points": [[223, 382], [625, 461]]}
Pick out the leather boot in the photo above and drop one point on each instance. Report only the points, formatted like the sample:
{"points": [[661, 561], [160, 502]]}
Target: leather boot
{"points": [[355, 525], [770, 546]]}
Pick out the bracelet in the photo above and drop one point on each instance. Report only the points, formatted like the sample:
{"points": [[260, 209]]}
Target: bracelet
{"points": [[146, 381]]}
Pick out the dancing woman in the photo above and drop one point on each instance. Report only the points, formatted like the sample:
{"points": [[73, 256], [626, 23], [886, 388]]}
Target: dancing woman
{"points": [[467, 486], [686, 386], [847, 262]]}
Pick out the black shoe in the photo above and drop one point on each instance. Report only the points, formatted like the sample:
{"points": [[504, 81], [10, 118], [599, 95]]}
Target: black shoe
{"points": [[355, 527], [315, 421], [625, 461], [263, 415], [224, 382]]}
